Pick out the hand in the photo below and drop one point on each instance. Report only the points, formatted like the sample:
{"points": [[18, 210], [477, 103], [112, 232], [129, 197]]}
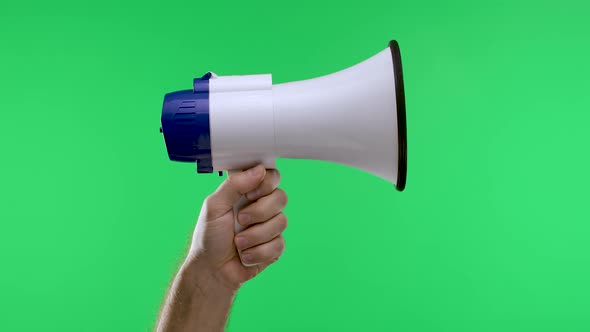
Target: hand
{"points": [[261, 242], [203, 290]]}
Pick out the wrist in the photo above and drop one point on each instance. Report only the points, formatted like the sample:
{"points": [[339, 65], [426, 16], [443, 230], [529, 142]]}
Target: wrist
{"points": [[197, 301], [205, 277]]}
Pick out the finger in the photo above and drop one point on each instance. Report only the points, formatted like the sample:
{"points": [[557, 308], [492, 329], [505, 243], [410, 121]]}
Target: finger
{"points": [[264, 253], [230, 191], [263, 209], [270, 183], [262, 232]]}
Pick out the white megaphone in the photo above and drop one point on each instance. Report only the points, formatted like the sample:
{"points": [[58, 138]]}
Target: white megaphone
{"points": [[354, 117]]}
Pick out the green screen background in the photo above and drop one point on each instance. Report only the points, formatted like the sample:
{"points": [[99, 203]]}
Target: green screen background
{"points": [[491, 234]]}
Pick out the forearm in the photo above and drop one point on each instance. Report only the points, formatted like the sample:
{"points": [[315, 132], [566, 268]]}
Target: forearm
{"points": [[197, 301], [202, 292]]}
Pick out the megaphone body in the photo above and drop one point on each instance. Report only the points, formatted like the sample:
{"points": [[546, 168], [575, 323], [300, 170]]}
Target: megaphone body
{"points": [[354, 117]]}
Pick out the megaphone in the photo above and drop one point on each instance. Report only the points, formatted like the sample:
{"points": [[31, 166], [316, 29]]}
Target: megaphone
{"points": [[355, 117]]}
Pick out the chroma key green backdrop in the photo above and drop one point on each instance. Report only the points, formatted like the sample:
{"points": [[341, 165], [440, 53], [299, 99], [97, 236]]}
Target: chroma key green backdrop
{"points": [[491, 234]]}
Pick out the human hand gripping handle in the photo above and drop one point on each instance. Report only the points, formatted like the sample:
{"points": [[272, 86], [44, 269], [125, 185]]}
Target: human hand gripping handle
{"points": [[239, 232], [268, 185], [238, 228], [201, 294]]}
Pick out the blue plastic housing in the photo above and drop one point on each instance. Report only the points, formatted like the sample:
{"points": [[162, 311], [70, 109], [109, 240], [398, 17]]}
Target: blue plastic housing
{"points": [[185, 125]]}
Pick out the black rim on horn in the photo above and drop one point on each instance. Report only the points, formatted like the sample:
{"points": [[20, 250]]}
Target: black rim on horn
{"points": [[400, 100]]}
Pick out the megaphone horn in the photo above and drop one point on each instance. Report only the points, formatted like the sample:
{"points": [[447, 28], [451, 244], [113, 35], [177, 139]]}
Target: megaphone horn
{"points": [[355, 117]]}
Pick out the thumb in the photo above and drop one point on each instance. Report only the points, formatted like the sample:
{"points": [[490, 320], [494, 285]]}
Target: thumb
{"points": [[230, 191]]}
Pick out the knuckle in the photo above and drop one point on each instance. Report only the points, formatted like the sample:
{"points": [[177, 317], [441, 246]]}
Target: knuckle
{"points": [[210, 202], [208, 199], [281, 245], [282, 196], [283, 221], [273, 251], [231, 179], [270, 182], [277, 177]]}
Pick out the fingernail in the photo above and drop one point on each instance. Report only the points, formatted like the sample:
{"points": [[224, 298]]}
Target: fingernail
{"points": [[255, 171], [247, 258], [240, 242], [244, 218]]}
